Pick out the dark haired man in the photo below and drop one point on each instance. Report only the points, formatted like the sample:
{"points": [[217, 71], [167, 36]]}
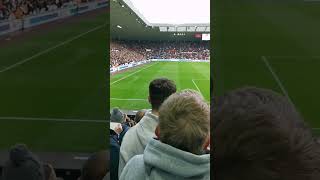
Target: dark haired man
{"points": [[259, 135], [136, 139]]}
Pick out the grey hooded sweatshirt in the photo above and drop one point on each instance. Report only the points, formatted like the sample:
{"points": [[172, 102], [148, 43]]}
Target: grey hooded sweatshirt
{"points": [[164, 162], [136, 139]]}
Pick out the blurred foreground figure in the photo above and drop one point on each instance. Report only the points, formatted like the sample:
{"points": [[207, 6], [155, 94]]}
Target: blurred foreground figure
{"points": [[258, 135]]}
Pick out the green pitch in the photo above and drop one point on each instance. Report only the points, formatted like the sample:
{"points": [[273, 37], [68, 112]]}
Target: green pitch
{"points": [[129, 89], [274, 45], [53, 87]]}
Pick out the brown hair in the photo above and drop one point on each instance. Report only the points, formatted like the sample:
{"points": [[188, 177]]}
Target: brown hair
{"points": [[139, 115], [184, 121], [258, 135]]}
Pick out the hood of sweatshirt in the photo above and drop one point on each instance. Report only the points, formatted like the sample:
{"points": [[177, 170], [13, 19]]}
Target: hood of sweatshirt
{"points": [[170, 160], [145, 129]]}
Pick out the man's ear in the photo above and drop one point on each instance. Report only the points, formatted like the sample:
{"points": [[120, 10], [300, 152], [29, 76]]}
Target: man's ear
{"points": [[206, 143], [157, 131]]}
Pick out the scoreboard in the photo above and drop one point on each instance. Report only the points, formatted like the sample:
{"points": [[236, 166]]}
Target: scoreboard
{"points": [[206, 37], [203, 36]]}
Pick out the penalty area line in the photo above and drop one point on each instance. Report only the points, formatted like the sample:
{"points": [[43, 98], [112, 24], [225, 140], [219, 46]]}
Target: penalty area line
{"points": [[201, 79], [131, 74], [276, 78], [120, 99], [197, 87]]}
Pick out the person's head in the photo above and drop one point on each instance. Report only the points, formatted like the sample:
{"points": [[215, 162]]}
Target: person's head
{"points": [[159, 90], [96, 167], [139, 115], [117, 116], [22, 164], [184, 121], [258, 134]]}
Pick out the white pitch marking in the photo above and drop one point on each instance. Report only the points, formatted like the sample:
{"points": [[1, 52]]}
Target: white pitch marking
{"points": [[201, 79], [120, 99], [276, 77], [81, 158], [49, 49], [53, 119], [291, 57], [197, 87], [130, 74]]}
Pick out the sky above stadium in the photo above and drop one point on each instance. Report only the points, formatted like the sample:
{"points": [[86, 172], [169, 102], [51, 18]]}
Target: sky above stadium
{"points": [[173, 11]]}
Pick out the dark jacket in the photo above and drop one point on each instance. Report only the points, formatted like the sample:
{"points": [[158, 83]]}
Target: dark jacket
{"points": [[115, 142], [125, 128]]}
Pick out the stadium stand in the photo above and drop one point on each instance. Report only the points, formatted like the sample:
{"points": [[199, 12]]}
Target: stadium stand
{"points": [[16, 9], [122, 51]]}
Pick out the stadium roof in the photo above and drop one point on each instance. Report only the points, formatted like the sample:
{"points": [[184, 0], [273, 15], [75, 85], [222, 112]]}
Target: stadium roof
{"points": [[130, 22], [171, 12]]}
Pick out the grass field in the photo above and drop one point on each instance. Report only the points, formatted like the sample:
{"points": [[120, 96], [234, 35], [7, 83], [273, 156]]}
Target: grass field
{"points": [[53, 86], [129, 90], [270, 44]]}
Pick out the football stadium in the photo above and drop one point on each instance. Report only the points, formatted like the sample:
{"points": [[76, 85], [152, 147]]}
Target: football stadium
{"points": [[273, 45], [142, 50], [53, 91], [157, 48]]}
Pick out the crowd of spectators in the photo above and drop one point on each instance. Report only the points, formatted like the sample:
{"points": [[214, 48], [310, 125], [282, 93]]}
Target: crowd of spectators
{"points": [[168, 142], [123, 52], [17, 9]]}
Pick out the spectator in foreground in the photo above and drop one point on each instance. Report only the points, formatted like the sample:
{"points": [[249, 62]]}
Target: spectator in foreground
{"points": [[121, 122], [114, 152], [183, 132], [136, 139], [259, 135], [139, 115], [118, 129], [96, 167], [22, 165]]}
